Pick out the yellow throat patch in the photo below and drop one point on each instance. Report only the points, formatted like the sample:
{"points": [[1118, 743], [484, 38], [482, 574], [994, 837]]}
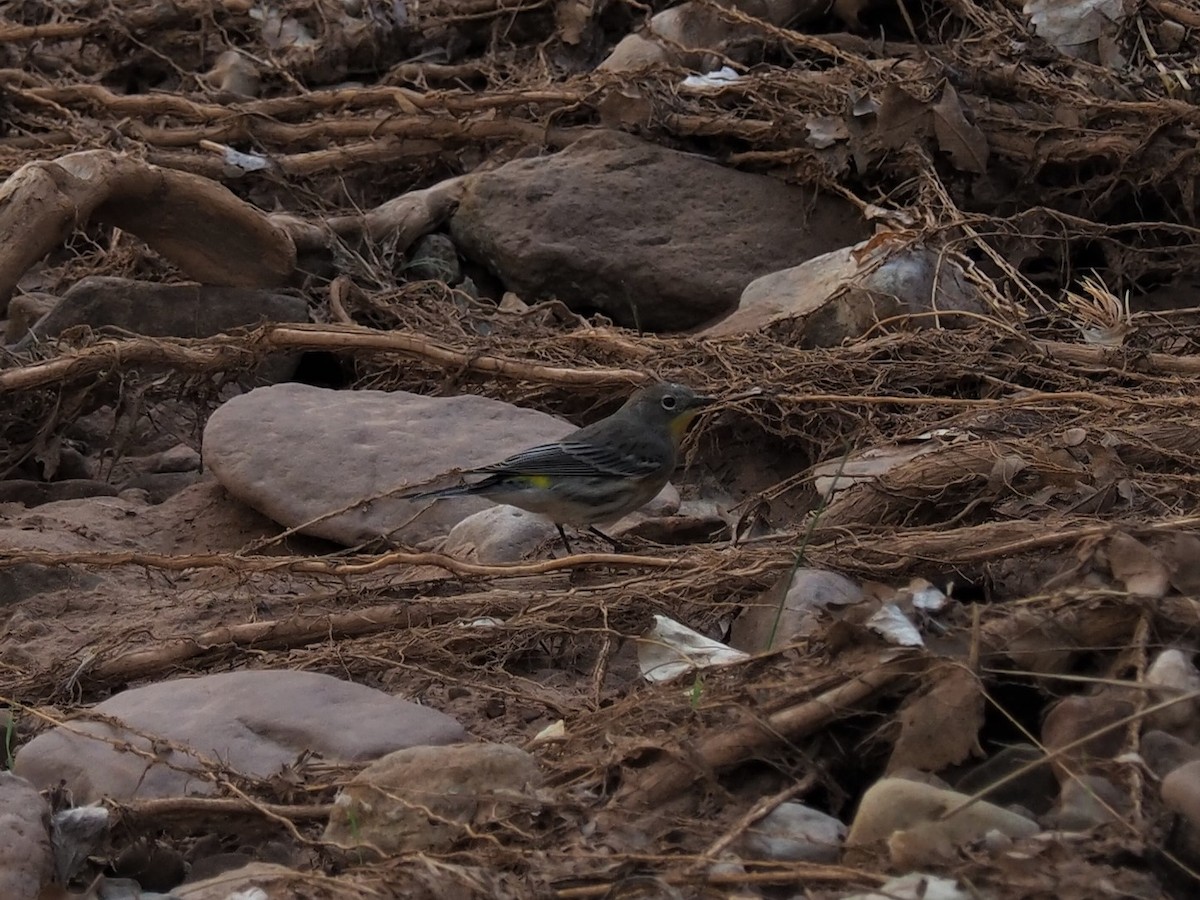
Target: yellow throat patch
{"points": [[680, 423]]}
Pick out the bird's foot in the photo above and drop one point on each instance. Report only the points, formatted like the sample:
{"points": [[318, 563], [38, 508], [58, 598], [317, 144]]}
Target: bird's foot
{"points": [[617, 546], [562, 534]]}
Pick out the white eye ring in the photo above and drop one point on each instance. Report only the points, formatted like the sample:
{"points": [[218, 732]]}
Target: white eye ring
{"points": [[668, 402]]}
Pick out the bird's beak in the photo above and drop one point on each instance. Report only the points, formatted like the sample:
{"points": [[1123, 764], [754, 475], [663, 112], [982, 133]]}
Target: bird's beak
{"points": [[698, 402]]}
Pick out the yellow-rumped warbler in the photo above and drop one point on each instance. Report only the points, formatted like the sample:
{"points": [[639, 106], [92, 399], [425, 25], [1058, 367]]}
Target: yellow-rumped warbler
{"points": [[598, 473]]}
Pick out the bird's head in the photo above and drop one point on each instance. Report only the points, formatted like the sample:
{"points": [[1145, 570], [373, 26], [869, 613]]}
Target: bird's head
{"points": [[672, 406]]}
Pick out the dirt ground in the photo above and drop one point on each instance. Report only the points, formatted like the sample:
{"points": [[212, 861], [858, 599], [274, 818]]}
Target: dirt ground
{"points": [[1053, 498]]}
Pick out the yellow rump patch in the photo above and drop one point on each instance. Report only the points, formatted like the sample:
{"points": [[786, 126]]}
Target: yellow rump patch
{"points": [[538, 481]]}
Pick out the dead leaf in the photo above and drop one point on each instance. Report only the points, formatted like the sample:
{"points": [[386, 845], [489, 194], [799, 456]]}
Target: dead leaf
{"points": [[890, 623], [923, 845], [512, 303], [1127, 489], [961, 140], [882, 242], [624, 106], [1006, 469], [940, 727], [835, 160], [1020, 506], [825, 131], [1107, 466], [1073, 437], [1075, 26], [864, 105], [868, 466], [1108, 49], [1062, 468], [848, 11], [1181, 556], [1136, 566], [1093, 500], [572, 17], [878, 592], [924, 596], [1026, 642], [901, 117], [1048, 640], [49, 454]]}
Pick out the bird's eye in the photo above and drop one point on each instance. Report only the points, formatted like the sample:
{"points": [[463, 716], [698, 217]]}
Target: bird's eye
{"points": [[668, 402]]}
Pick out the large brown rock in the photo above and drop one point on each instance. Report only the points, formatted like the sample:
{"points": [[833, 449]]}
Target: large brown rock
{"points": [[254, 722], [296, 453], [696, 36], [650, 237], [26, 860], [187, 310]]}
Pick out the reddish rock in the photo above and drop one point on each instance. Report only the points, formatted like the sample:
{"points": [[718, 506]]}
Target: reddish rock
{"points": [[650, 237]]}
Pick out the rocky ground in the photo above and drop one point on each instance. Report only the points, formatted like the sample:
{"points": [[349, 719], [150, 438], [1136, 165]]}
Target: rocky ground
{"points": [[917, 616]]}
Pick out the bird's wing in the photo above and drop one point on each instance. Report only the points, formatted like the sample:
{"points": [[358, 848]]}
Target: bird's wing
{"points": [[576, 458]]}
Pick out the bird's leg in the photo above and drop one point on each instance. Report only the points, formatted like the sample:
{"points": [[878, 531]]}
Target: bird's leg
{"points": [[616, 545], [562, 534]]}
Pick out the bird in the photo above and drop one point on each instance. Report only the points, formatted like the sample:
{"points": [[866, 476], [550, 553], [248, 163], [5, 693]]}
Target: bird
{"points": [[596, 474]]}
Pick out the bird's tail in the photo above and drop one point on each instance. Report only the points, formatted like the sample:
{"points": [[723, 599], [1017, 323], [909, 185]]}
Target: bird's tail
{"points": [[458, 490]]}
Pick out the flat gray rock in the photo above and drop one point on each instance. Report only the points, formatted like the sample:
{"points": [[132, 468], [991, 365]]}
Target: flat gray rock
{"points": [[653, 238], [843, 294], [295, 453], [794, 832], [805, 595], [1164, 753], [255, 722]]}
